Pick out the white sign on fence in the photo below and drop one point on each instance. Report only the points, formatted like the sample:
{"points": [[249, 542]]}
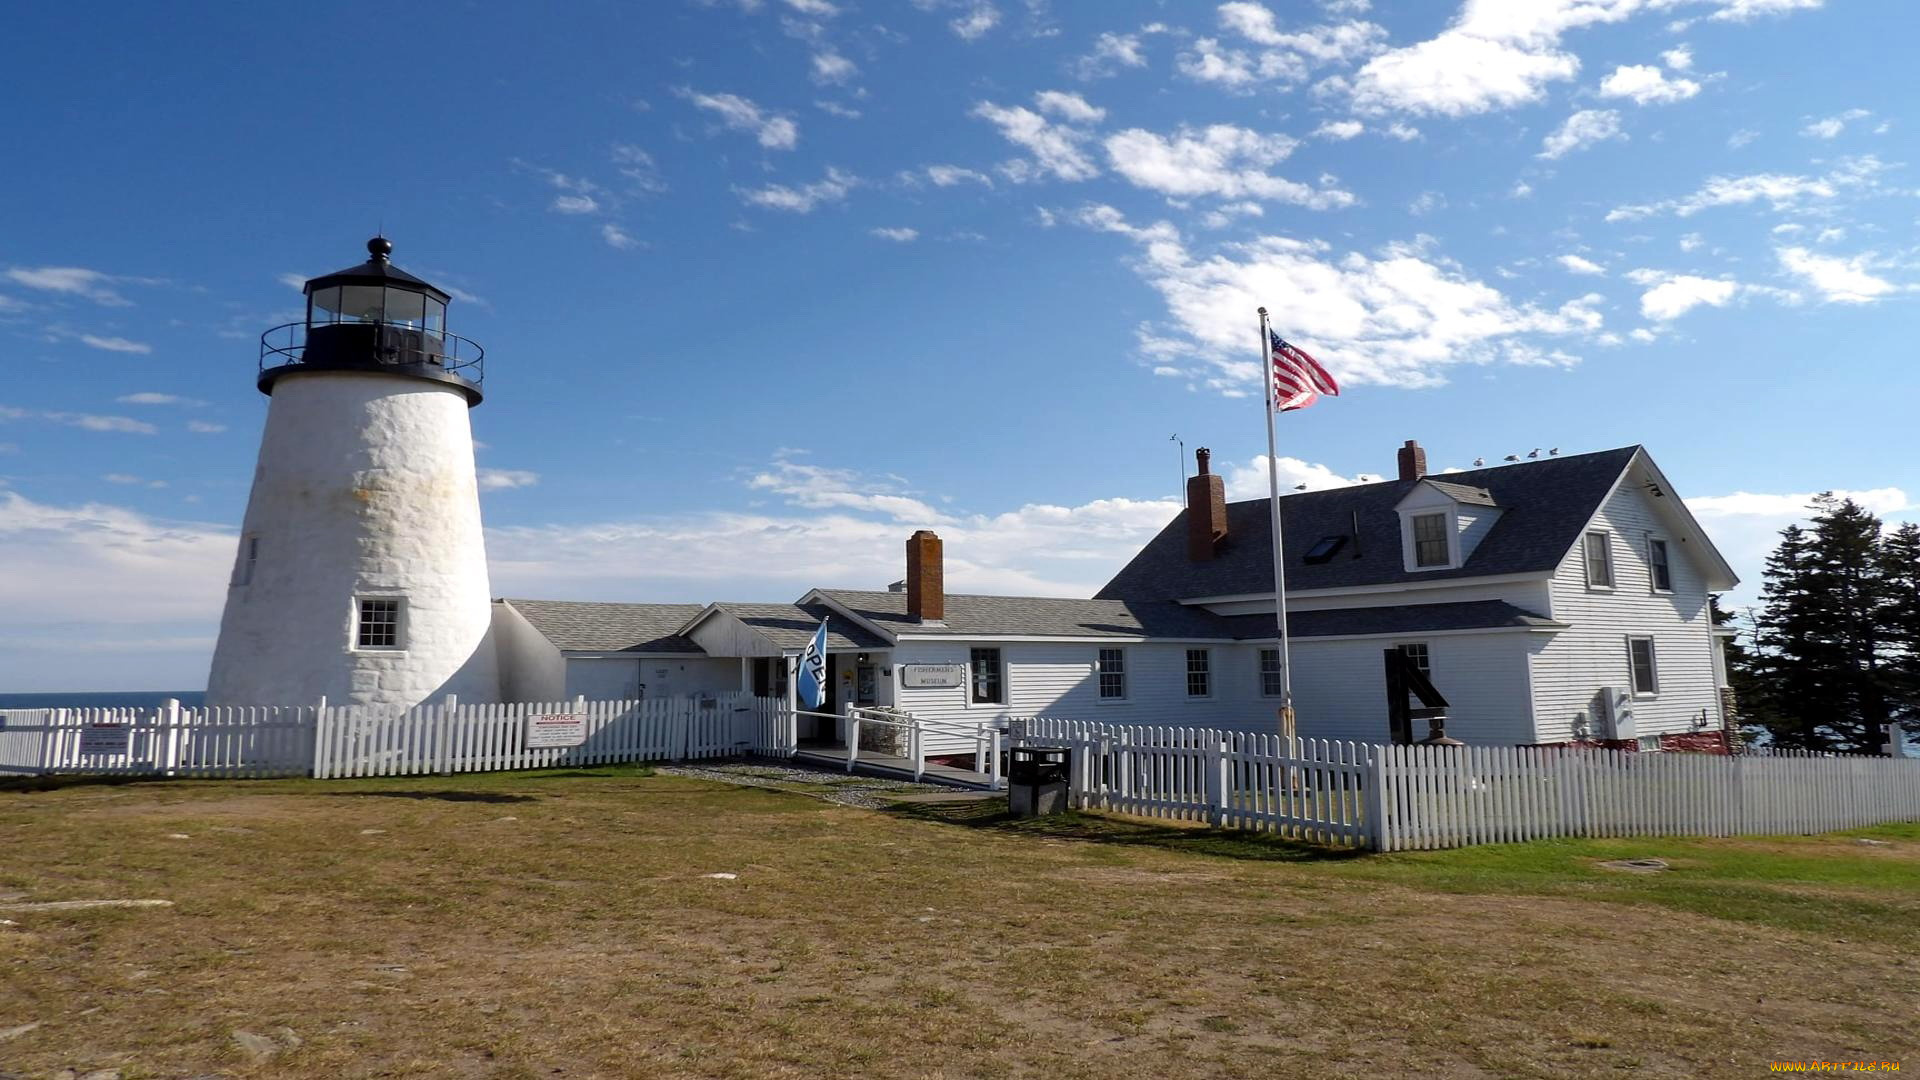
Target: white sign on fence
{"points": [[115, 739], [933, 676], [556, 731]]}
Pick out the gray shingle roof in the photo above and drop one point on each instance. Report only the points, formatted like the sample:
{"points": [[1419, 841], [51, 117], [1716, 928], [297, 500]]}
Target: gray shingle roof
{"points": [[1403, 619], [1463, 493], [1544, 505], [588, 627], [1039, 616], [791, 626]]}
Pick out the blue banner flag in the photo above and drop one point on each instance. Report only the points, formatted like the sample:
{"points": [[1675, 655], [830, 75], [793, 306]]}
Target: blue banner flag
{"points": [[813, 669]]}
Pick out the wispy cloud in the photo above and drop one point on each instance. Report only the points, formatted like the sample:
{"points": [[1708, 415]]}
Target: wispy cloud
{"points": [[505, 479], [86, 421], [831, 188], [1581, 130], [897, 234], [736, 113], [154, 397]]}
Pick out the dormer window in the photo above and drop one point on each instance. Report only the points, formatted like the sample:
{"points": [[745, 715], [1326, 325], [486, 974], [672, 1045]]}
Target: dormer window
{"points": [[1430, 540]]}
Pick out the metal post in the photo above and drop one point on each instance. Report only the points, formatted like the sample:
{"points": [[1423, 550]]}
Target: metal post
{"points": [[1279, 556]]}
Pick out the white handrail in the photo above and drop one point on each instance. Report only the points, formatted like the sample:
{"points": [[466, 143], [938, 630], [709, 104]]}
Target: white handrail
{"points": [[986, 735]]}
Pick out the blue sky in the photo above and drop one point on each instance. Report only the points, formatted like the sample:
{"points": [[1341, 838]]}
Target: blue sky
{"points": [[766, 285]]}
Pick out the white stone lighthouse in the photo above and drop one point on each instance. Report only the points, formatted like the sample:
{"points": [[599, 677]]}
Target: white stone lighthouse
{"points": [[362, 572]]}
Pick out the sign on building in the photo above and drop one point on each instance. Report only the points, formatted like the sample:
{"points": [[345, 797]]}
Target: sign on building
{"points": [[556, 731], [933, 676], [104, 738]]}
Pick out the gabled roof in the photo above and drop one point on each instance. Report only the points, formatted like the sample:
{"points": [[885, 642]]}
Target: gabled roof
{"points": [[577, 626], [791, 626], [1033, 616], [1399, 619], [1544, 505]]}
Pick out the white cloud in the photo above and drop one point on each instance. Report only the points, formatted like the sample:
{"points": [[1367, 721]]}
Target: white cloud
{"points": [[1403, 132], [974, 24], [1236, 69], [1838, 280], [1111, 52], [834, 108], [151, 397], [107, 565], [1069, 107], [1745, 10], [1645, 84], [617, 237], [203, 427], [1581, 130], [1679, 58], [71, 281], [1832, 126], [1340, 130], [296, 282], [1222, 161], [1336, 43], [86, 421], [1673, 295], [574, 204], [1781, 191], [831, 68], [637, 166], [898, 234], [1399, 317], [830, 188], [1692, 241], [817, 8], [1426, 203], [954, 175], [1249, 481], [1574, 264], [1742, 138], [1058, 149], [505, 479], [739, 114], [1745, 526], [115, 344]]}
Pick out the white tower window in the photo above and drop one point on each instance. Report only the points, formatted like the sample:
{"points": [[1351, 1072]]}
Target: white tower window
{"points": [[249, 558], [379, 623]]}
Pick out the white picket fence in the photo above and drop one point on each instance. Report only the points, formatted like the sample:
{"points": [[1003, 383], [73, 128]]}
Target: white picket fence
{"points": [[345, 741], [1394, 798], [167, 741]]}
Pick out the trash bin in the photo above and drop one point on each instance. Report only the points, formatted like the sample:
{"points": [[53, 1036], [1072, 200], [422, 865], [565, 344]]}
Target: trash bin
{"points": [[1037, 780]]}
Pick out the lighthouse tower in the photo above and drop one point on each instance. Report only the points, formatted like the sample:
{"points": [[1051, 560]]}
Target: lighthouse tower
{"points": [[362, 573]]}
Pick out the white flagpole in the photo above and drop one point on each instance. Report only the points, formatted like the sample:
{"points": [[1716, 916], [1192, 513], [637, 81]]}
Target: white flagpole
{"points": [[1279, 553]]}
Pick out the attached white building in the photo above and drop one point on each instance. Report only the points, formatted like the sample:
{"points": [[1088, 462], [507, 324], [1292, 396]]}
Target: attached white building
{"points": [[1550, 601]]}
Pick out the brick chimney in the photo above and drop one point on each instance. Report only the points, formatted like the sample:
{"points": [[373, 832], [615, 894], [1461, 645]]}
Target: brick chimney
{"points": [[926, 589], [1413, 461], [1206, 509]]}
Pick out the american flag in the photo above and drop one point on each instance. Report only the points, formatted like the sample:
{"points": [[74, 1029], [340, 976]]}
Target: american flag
{"points": [[1298, 379]]}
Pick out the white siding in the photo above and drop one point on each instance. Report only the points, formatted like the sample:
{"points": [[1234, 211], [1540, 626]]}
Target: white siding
{"points": [[1580, 661], [1340, 687], [1475, 523], [720, 634], [610, 678], [1058, 680], [531, 668]]}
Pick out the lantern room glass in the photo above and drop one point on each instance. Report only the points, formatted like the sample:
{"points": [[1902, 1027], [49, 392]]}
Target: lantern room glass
{"points": [[377, 304]]}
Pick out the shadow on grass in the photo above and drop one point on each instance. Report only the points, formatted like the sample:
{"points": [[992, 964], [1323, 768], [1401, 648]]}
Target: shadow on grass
{"points": [[439, 796], [1098, 829], [28, 784]]}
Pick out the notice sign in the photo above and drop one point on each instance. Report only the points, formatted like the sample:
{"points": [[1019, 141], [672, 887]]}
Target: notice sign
{"points": [[556, 731], [115, 739], [933, 676]]}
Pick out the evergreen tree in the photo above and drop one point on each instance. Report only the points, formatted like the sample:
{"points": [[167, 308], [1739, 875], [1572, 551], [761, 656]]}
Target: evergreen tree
{"points": [[1751, 706], [1900, 568], [1825, 635]]}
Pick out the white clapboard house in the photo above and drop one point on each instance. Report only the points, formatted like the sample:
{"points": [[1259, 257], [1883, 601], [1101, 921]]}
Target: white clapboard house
{"points": [[1550, 601]]}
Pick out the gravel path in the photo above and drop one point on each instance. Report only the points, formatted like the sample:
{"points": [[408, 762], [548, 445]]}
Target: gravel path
{"points": [[867, 792]]}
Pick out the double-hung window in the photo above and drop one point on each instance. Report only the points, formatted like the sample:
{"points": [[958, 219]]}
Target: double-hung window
{"points": [[1199, 674], [1430, 540], [989, 679], [1659, 569], [378, 623], [1273, 682], [1646, 668], [1113, 674], [1417, 654], [1599, 554]]}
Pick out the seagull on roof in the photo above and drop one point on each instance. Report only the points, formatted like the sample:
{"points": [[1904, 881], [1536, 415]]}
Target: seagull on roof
{"points": [[1555, 452], [1299, 487], [1479, 461], [1534, 453], [1513, 457]]}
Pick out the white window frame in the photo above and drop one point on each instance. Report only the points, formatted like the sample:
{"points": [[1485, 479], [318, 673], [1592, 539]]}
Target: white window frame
{"points": [[1586, 560], [1425, 647], [1653, 583], [1187, 673], [1006, 688], [399, 624], [1410, 547], [248, 561], [1653, 664], [1260, 673], [1099, 674]]}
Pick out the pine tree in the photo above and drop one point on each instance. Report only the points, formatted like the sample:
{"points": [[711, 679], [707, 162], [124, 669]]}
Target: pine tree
{"points": [[1750, 707], [1900, 567], [1825, 634]]}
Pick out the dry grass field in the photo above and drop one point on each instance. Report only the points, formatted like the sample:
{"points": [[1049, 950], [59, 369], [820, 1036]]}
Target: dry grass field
{"points": [[563, 925]]}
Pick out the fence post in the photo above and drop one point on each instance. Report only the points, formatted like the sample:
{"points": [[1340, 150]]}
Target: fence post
{"points": [[1217, 782], [443, 760], [1378, 837], [319, 739], [917, 745], [169, 747], [853, 740]]}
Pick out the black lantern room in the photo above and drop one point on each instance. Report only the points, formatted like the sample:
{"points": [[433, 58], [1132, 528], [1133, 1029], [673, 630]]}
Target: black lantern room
{"points": [[373, 317]]}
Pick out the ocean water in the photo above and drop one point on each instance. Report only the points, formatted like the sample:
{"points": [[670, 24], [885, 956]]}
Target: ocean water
{"points": [[102, 699]]}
